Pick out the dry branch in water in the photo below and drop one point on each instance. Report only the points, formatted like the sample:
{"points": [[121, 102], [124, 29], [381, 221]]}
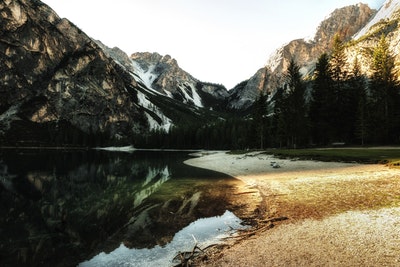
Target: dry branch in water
{"points": [[265, 225], [186, 257]]}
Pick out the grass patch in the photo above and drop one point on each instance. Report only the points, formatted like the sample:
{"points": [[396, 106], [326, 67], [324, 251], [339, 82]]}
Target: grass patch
{"points": [[361, 155]]}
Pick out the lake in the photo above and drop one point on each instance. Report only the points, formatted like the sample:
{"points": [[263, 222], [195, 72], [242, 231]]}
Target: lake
{"points": [[101, 208]]}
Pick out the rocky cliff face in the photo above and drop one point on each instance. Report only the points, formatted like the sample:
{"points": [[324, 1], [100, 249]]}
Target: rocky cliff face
{"points": [[245, 93], [346, 21], [160, 76], [163, 75], [385, 22], [54, 76], [61, 87]]}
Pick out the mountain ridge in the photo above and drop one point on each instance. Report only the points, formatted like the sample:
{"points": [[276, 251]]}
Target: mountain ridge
{"points": [[163, 74], [61, 87], [304, 51], [55, 78]]}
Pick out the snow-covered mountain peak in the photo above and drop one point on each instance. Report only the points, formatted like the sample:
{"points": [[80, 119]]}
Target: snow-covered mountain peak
{"points": [[163, 75]]}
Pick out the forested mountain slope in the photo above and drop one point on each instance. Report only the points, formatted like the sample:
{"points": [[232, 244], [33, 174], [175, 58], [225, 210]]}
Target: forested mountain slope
{"points": [[346, 21], [60, 87]]}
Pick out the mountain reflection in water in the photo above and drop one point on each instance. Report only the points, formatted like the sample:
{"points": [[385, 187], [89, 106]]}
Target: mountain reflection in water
{"points": [[62, 208], [206, 231]]}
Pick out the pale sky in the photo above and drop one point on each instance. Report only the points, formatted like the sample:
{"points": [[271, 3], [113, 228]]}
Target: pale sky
{"points": [[219, 41]]}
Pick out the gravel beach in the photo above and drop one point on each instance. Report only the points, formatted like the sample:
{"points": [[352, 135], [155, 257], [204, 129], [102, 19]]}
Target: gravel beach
{"points": [[339, 214]]}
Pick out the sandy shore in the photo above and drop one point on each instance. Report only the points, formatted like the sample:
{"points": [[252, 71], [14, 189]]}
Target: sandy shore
{"points": [[339, 214]]}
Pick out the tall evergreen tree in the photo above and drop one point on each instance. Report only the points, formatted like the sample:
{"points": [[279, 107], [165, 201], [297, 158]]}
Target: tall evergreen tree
{"points": [[295, 112], [337, 61], [343, 94], [260, 119], [322, 109], [277, 125], [360, 117], [383, 63], [384, 94]]}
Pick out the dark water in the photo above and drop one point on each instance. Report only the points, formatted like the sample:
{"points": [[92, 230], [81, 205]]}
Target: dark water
{"points": [[64, 208]]}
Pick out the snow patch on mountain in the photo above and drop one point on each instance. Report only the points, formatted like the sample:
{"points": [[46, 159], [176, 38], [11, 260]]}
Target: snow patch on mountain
{"points": [[145, 76], [190, 93], [196, 97], [275, 59], [163, 76], [163, 122], [385, 12]]}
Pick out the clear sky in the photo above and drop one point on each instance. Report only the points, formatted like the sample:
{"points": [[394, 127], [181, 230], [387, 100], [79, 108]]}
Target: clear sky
{"points": [[219, 41]]}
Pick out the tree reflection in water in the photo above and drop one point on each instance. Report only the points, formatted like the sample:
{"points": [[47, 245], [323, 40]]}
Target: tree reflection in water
{"points": [[62, 208]]}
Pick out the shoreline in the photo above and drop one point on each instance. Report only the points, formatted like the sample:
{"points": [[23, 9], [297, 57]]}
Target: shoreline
{"points": [[333, 201]]}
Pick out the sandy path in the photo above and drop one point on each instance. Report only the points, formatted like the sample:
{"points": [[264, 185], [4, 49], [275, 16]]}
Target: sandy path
{"points": [[339, 214]]}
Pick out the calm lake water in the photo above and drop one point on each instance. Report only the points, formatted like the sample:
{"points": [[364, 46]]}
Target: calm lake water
{"points": [[99, 208]]}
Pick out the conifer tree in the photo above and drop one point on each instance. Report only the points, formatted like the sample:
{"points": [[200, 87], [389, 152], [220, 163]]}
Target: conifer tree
{"points": [[260, 119], [337, 61], [295, 111], [383, 63], [358, 84], [322, 109], [384, 93], [343, 94], [277, 125]]}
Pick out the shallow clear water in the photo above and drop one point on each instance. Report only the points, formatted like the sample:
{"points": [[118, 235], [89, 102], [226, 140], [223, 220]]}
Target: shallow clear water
{"points": [[203, 232], [62, 208]]}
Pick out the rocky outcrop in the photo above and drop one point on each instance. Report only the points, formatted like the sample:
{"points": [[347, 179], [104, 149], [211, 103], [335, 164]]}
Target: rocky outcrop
{"points": [[59, 87], [163, 74], [345, 21], [54, 76], [386, 22], [245, 93]]}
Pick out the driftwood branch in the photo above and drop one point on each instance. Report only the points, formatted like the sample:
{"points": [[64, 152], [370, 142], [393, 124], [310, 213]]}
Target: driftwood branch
{"points": [[265, 225], [187, 257], [276, 219]]}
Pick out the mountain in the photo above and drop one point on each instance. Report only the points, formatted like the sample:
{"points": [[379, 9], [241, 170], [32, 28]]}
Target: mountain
{"points": [[61, 87], [388, 12], [168, 94], [385, 22], [163, 75], [346, 21], [57, 84]]}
